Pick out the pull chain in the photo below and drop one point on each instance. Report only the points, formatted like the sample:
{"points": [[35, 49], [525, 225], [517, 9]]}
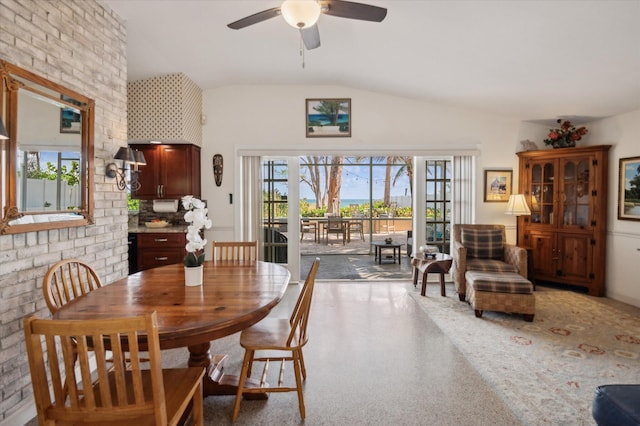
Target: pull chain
{"points": [[302, 49]]}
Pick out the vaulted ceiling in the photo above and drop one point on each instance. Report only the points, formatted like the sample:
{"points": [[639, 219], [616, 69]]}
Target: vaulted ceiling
{"points": [[530, 59]]}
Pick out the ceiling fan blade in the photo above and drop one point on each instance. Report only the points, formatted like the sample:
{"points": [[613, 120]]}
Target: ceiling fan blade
{"points": [[255, 18], [311, 37], [348, 9]]}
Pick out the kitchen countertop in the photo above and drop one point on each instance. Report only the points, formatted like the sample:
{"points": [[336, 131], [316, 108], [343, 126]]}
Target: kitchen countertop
{"points": [[141, 229]]}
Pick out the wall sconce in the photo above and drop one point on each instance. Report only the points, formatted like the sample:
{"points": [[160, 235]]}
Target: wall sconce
{"points": [[128, 156], [3, 131]]}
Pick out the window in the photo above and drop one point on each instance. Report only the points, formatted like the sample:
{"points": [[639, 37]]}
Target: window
{"points": [[275, 210], [438, 203]]}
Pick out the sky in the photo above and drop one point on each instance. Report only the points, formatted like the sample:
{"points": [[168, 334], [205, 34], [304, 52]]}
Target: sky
{"points": [[355, 183]]}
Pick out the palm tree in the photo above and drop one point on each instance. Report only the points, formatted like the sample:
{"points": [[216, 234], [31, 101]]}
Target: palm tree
{"points": [[406, 168], [328, 197], [334, 186], [331, 110], [314, 165]]}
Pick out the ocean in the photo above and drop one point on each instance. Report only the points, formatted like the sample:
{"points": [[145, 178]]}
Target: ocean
{"points": [[346, 202], [324, 120]]}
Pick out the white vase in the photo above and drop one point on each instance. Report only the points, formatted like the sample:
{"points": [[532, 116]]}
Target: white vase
{"points": [[193, 275]]}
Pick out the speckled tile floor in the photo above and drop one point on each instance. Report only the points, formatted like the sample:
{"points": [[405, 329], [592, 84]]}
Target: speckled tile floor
{"points": [[373, 358]]}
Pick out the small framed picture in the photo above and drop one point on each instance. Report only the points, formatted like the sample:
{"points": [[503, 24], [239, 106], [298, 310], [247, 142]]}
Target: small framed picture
{"points": [[629, 189], [328, 118], [497, 185]]}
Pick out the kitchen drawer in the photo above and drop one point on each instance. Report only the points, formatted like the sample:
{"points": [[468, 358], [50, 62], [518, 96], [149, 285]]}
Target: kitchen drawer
{"points": [[160, 248], [152, 258], [159, 240]]}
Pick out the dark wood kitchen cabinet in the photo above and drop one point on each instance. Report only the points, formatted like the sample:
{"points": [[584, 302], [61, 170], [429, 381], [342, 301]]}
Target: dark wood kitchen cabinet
{"points": [[171, 172], [566, 190], [160, 249]]}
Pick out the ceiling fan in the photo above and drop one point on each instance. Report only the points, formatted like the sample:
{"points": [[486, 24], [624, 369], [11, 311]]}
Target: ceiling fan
{"points": [[303, 14]]}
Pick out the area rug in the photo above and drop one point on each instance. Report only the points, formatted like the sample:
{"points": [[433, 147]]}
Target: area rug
{"points": [[545, 371], [357, 267]]}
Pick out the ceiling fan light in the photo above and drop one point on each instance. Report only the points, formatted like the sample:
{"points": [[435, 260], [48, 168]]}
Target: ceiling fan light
{"points": [[300, 13]]}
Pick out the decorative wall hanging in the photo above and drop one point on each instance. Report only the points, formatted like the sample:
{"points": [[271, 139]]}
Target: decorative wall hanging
{"points": [[328, 118], [217, 169], [629, 189]]}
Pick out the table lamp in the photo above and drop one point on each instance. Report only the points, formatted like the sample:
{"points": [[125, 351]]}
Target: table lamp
{"points": [[517, 206]]}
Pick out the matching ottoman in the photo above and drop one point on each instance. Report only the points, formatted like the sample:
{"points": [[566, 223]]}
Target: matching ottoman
{"points": [[502, 292]]}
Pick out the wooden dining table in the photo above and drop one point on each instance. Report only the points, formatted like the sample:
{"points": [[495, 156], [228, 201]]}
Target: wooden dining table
{"points": [[234, 296]]}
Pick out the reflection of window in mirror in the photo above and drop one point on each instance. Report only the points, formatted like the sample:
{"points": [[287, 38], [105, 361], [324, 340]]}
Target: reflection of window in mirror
{"points": [[46, 179]]}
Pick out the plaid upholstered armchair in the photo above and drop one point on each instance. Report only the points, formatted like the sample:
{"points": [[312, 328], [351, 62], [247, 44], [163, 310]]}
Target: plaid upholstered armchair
{"points": [[483, 248]]}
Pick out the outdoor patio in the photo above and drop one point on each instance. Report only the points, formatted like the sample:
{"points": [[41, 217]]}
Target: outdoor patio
{"points": [[308, 245], [354, 260]]}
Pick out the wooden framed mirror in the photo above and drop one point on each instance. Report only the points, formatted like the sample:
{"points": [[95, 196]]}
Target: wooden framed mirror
{"points": [[46, 164]]}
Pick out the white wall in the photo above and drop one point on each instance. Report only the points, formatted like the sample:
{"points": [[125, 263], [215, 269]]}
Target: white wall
{"points": [[271, 119], [623, 236]]}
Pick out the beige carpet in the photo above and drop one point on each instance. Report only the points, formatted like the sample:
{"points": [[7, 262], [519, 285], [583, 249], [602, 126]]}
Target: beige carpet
{"points": [[545, 371]]}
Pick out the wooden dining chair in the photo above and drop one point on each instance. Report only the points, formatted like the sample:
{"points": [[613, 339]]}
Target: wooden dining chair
{"points": [[66, 280], [235, 250], [278, 334], [106, 392]]}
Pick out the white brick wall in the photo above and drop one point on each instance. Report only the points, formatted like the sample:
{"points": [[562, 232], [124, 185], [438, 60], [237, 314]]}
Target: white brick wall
{"points": [[80, 44]]}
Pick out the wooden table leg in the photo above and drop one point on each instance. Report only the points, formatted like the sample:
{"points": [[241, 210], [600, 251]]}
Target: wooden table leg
{"points": [[423, 291], [215, 382], [433, 267]]}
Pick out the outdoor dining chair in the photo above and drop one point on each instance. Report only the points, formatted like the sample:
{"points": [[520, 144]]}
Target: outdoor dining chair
{"points": [[335, 225]]}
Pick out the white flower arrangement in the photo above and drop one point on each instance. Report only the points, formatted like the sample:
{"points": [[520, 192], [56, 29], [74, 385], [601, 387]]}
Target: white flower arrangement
{"points": [[196, 216]]}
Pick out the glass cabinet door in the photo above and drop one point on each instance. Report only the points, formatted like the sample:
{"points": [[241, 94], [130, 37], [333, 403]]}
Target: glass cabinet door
{"points": [[574, 196], [542, 192]]}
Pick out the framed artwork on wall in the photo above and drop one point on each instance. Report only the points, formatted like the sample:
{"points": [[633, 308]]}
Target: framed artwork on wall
{"points": [[629, 189], [328, 118], [497, 185]]}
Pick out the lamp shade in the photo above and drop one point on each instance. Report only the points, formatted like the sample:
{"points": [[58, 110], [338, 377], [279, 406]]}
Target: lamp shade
{"points": [[125, 154], [140, 161], [300, 13], [517, 206], [3, 131]]}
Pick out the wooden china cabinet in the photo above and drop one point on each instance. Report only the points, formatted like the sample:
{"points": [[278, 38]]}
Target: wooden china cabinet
{"points": [[566, 189]]}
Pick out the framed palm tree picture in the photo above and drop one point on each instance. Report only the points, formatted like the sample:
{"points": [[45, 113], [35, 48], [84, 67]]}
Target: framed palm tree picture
{"points": [[328, 118]]}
